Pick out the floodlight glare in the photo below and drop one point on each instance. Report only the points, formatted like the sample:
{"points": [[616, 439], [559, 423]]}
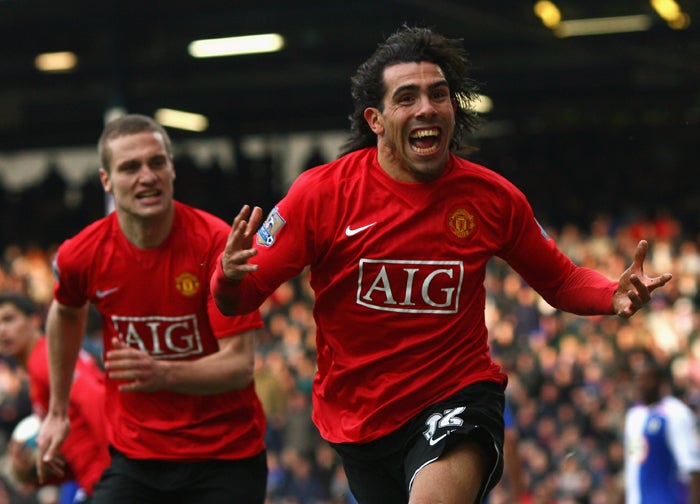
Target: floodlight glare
{"points": [[234, 46]]}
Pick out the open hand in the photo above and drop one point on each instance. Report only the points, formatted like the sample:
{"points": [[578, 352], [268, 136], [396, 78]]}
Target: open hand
{"points": [[635, 287], [239, 245]]}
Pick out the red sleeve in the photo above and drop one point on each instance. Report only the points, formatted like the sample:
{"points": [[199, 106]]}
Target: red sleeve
{"points": [[564, 285], [222, 287], [240, 294], [224, 326], [584, 292], [69, 288], [286, 244]]}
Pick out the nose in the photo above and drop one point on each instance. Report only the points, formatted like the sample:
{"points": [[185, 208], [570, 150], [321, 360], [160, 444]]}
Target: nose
{"points": [[146, 174], [426, 107]]}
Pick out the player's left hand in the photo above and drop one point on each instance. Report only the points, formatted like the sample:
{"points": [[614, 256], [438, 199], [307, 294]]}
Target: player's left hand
{"points": [[635, 287], [138, 371]]}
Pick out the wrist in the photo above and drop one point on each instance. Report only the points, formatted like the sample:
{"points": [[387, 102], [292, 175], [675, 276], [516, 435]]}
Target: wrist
{"points": [[224, 290], [57, 410]]}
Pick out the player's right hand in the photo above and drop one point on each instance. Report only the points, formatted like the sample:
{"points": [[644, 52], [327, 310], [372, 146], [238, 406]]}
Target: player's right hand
{"points": [[54, 431], [239, 245]]}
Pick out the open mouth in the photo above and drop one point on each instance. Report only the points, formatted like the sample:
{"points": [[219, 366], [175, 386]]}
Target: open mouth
{"points": [[149, 194], [425, 141]]}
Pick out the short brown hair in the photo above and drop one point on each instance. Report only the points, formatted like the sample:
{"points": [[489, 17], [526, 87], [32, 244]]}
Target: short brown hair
{"points": [[129, 124]]}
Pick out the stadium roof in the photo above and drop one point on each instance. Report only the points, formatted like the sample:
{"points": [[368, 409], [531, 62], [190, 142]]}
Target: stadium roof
{"points": [[134, 54]]}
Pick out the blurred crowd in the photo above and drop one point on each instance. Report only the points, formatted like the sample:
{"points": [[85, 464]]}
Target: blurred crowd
{"points": [[569, 377]]}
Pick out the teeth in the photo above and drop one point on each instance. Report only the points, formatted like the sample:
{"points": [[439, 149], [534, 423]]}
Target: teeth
{"points": [[422, 151], [424, 133]]}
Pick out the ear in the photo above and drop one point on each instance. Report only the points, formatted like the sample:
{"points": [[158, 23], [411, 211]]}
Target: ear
{"points": [[374, 119], [106, 181]]}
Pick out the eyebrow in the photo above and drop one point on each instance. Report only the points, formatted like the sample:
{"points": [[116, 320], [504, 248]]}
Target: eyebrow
{"points": [[137, 160], [415, 87]]}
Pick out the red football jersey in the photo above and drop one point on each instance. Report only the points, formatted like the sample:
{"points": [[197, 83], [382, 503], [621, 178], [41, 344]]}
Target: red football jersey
{"points": [[85, 449], [398, 271], [158, 300]]}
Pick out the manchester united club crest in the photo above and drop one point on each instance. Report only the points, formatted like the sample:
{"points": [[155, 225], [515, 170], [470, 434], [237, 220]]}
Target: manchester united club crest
{"points": [[187, 284], [461, 223]]}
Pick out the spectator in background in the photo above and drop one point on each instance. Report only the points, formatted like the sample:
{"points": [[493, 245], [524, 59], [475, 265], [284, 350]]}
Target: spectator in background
{"points": [[662, 449], [513, 462], [85, 450], [511, 489], [185, 424], [15, 403]]}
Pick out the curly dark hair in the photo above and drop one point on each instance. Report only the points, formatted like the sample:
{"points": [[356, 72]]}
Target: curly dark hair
{"points": [[408, 45]]}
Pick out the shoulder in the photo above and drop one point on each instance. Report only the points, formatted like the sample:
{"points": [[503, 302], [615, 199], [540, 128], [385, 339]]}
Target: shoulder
{"points": [[636, 411], [198, 222], [348, 166], [495, 197], [479, 173], [89, 233], [87, 241], [321, 188], [674, 406]]}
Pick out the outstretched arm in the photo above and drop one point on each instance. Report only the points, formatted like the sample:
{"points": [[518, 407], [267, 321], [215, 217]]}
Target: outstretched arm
{"points": [[234, 260], [635, 287]]}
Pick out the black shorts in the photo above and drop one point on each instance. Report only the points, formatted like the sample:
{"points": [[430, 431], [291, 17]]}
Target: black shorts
{"points": [[383, 470], [129, 481]]}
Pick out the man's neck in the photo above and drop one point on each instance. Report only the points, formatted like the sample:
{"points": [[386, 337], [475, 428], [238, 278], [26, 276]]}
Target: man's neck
{"points": [[147, 233]]}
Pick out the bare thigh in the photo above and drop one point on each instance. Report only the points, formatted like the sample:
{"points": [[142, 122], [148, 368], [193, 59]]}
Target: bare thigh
{"points": [[455, 478]]}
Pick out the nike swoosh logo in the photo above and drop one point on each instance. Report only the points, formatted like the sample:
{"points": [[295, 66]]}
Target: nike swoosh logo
{"points": [[433, 442], [352, 232], [104, 293]]}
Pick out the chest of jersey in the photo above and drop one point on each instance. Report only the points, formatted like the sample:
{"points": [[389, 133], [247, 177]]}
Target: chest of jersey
{"points": [[154, 301], [409, 251]]}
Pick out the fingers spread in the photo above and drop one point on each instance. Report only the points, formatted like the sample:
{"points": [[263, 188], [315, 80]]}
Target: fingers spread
{"points": [[641, 253], [641, 292], [659, 281]]}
